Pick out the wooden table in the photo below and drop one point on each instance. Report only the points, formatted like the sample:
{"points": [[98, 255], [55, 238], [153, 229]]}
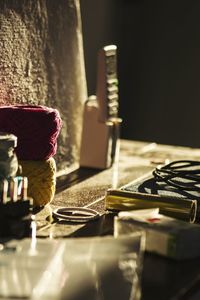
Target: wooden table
{"points": [[162, 278]]}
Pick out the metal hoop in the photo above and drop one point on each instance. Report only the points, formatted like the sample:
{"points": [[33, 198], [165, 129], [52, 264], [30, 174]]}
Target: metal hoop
{"points": [[76, 214]]}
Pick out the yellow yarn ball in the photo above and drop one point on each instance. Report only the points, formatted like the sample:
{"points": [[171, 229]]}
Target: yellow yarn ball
{"points": [[41, 179]]}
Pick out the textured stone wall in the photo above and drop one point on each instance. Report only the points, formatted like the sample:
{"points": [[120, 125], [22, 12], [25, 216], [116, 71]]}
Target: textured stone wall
{"points": [[41, 62]]}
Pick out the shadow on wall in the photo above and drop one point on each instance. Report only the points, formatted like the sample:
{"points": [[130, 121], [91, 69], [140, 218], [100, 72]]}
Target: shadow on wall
{"points": [[158, 65]]}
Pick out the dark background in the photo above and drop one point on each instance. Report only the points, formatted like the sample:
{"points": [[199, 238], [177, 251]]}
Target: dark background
{"points": [[158, 64]]}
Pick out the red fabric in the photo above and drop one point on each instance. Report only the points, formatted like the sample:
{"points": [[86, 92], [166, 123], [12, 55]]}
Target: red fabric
{"points": [[36, 127]]}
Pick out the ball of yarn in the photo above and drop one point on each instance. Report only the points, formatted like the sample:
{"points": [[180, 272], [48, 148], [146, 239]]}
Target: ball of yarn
{"points": [[41, 179], [36, 127]]}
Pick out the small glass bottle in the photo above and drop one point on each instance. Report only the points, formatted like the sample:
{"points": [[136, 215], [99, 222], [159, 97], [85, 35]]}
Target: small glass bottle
{"points": [[8, 158]]}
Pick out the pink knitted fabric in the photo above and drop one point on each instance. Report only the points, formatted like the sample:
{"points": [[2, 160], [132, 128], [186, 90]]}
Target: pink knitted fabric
{"points": [[36, 127]]}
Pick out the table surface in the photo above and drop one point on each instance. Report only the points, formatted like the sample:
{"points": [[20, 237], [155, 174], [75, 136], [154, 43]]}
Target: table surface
{"points": [[162, 278]]}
